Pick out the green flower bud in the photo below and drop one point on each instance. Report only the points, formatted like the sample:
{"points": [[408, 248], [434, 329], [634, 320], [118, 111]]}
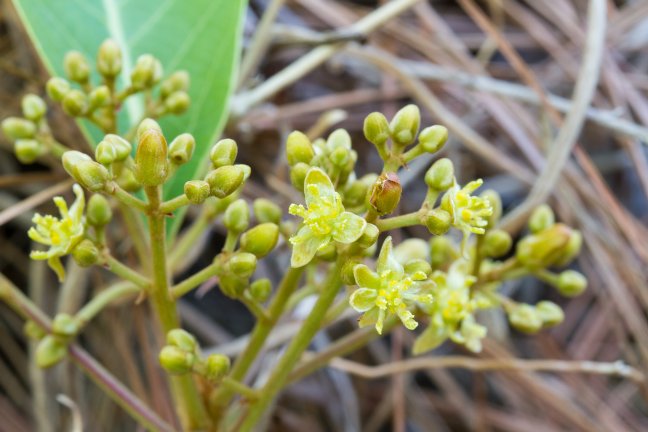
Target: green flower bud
{"points": [[85, 253], [76, 67], [543, 249], [418, 266], [197, 191], [57, 88], [33, 330], [176, 361], [442, 251], [223, 153], [98, 212], [17, 128], [216, 367], [260, 240], [496, 243], [369, 236], [571, 250], [355, 194], [298, 175], [33, 107], [146, 73], [145, 125], [385, 194], [71, 159], [99, 97], [232, 286], [177, 81], [243, 264], [64, 325], [440, 176], [299, 148], [525, 318], [339, 157], [105, 153], [28, 150], [411, 249], [433, 138], [339, 139], [550, 313], [237, 216], [225, 180], [85, 171], [177, 102], [121, 147], [151, 165], [109, 59], [405, 125], [541, 219], [75, 103], [182, 339], [181, 149], [50, 351], [571, 283], [266, 211], [438, 221], [496, 204], [127, 181], [327, 253], [376, 129], [348, 277], [261, 289]]}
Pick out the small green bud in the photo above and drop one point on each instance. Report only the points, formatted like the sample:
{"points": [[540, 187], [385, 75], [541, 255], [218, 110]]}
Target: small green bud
{"points": [[405, 125], [151, 165], [298, 175], [541, 219], [181, 149], [64, 325], [243, 264], [98, 212], [237, 216], [33, 107], [176, 361], [433, 138], [571, 283], [232, 286], [327, 253], [496, 204], [299, 148], [223, 153], [75, 103], [71, 159], [197, 191], [369, 236], [50, 351], [438, 221], [28, 150], [121, 147], [261, 239], [182, 339], [266, 211], [225, 180], [99, 97], [571, 250], [127, 180], [216, 366], [496, 243], [57, 88], [146, 73], [177, 102], [109, 59], [261, 289], [411, 249], [376, 129], [105, 153], [440, 176], [355, 194], [543, 249], [85, 253], [145, 125], [442, 251], [418, 266], [550, 313], [339, 139], [385, 193], [18, 128], [76, 67], [33, 330], [177, 81], [339, 157], [525, 318], [85, 171], [348, 276]]}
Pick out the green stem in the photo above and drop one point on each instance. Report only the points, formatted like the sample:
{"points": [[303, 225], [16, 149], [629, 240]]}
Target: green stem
{"points": [[136, 230], [409, 219], [254, 307], [413, 153], [125, 272], [193, 281], [128, 199], [188, 240], [174, 204], [237, 387], [230, 241], [106, 297]]}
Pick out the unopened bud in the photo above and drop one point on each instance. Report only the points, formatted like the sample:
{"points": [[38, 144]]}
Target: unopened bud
{"points": [[260, 240], [237, 216], [242, 264], [525, 318], [405, 125], [298, 175], [216, 366], [121, 147], [182, 339], [550, 313], [225, 180], [181, 149], [64, 325], [442, 251], [266, 211], [57, 88], [571, 250], [327, 253], [146, 73], [28, 150], [543, 249], [299, 148], [339, 157], [376, 129], [411, 249], [261, 289], [98, 212], [438, 221], [33, 107], [495, 202], [385, 193], [369, 236], [151, 165], [75, 103], [85, 171], [355, 194], [339, 139], [571, 283], [440, 176], [50, 351], [145, 125], [105, 153], [99, 97], [76, 67], [541, 219], [177, 81], [127, 180], [418, 266], [496, 243], [109, 59], [223, 153], [177, 102], [433, 138], [85, 253], [197, 191], [33, 330], [232, 286], [71, 159], [16, 128], [176, 361]]}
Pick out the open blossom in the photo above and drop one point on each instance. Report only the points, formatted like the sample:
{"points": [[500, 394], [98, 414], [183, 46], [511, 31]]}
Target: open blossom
{"points": [[389, 290], [61, 235], [469, 213], [324, 219]]}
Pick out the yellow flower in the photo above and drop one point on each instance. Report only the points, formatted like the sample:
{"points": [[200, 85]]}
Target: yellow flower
{"points": [[469, 213]]}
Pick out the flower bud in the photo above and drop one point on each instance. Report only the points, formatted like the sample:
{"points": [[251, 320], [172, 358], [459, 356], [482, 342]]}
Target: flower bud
{"points": [[151, 165], [33, 330], [261, 289], [433, 138], [232, 286], [385, 194], [224, 180], [28, 150], [109, 59], [85, 253], [260, 240], [237, 216], [266, 211], [146, 73], [525, 318], [571, 250], [50, 351], [145, 125], [64, 325], [541, 219], [105, 153], [496, 243], [411, 249], [495, 202], [98, 212], [33, 107], [75, 103], [440, 176], [543, 249], [327, 253], [57, 88], [181, 149], [177, 81], [298, 175], [216, 367], [127, 180], [418, 266], [99, 97], [339, 139], [369, 236], [197, 191], [243, 264], [441, 251], [85, 171], [355, 194], [550, 313], [71, 159], [121, 147], [348, 276], [376, 129], [16, 128], [438, 221], [177, 102], [176, 361], [182, 339], [299, 148], [405, 125], [571, 283], [76, 67], [339, 157], [223, 153]]}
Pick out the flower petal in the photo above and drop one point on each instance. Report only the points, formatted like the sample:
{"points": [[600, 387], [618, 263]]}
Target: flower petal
{"points": [[368, 318], [366, 278], [348, 227], [387, 262], [305, 249], [363, 299], [432, 337], [323, 186]]}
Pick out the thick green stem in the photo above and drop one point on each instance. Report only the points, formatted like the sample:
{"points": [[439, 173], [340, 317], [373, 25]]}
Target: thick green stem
{"points": [[174, 204], [128, 199], [125, 272], [401, 221]]}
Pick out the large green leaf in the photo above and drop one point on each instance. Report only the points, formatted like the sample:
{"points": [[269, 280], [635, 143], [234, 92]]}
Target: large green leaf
{"points": [[200, 36]]}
